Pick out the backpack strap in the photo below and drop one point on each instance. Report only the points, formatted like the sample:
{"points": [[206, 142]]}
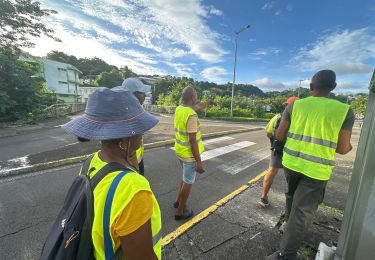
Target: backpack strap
{"points": [[86, 165], [109, 254]]}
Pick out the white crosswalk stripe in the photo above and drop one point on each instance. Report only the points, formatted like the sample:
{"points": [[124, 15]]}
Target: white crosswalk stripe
{"points": [[224, 150], [214, 140], [242, 163]]}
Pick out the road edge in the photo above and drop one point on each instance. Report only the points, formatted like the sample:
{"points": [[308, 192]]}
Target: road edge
{"points": [[207, 212], [77, 159]]}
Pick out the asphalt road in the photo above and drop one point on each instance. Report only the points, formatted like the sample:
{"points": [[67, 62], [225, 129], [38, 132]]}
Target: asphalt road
{"points": [[37, 143], [29, 203]]}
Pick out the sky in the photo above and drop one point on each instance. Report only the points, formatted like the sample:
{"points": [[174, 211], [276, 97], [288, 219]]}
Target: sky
{"points": [[287, 41]]}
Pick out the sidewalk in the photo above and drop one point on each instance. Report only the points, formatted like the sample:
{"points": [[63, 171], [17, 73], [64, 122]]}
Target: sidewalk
{"points": [[240, 230]]}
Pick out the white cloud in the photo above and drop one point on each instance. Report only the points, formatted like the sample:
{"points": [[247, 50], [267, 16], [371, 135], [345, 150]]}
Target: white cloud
{"points": [[181, 69], [260, 53], [215, 74], [346, 52], [267, 84], [348, 85], [161, 25], [268, 5], [214, 11], [83, 46], [278, 12], [139, 33]]}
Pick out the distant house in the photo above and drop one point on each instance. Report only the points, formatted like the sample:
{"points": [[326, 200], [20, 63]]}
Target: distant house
{"points": [[85, 92], [62, 78]]}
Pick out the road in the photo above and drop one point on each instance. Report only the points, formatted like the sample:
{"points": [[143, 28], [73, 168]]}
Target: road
{"points": [[53, 143], [29, 203]]}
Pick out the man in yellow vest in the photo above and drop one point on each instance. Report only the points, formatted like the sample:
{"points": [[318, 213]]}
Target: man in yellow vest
{"points": [[315, 128], [139, 90], [188, 147], [115, 117]]}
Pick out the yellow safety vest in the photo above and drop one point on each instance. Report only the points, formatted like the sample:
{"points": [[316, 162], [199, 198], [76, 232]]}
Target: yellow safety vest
{"points": [[130, 184], [312, 137], [182, 144], [140, 151]]}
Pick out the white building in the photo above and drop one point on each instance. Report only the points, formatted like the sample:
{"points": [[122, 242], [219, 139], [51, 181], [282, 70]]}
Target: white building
{"points": [[85, 92]]}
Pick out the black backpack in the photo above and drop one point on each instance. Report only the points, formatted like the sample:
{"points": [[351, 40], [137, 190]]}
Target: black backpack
{"points": [[70, 235]]}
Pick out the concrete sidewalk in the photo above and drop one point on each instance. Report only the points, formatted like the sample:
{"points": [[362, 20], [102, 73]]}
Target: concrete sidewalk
{"points": [[240, 230]]}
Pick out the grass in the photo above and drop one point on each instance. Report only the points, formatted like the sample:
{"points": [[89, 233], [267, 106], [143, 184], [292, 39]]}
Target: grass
{"points": [[307, 251], [332, 209]]}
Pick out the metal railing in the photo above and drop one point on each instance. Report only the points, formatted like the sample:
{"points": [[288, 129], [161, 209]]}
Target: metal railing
{"points": [[63, 109], [160, 109]]}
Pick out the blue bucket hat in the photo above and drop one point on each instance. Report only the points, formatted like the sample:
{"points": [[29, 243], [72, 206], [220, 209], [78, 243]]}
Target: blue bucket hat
{"points": [[134, 85], [111, 114]]}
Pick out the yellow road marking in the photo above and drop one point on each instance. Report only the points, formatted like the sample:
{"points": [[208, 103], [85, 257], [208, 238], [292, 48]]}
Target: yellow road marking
{"points": [[205, 213]]}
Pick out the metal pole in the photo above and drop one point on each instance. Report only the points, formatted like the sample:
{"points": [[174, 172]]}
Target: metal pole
{"points": [[234, 68], [234, 77]]}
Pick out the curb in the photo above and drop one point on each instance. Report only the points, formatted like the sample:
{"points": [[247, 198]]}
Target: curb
{"points": [[207, 212], [77, 159]]}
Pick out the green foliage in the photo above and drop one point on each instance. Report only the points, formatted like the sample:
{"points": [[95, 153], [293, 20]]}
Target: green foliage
{"points": [[21, 19], [21, 91], [109, 79], [359, 105], [88, 66]]}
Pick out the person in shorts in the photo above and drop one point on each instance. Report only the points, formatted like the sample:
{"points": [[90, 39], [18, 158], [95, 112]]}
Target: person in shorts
{"points": [[276, 158], [188, 147]]}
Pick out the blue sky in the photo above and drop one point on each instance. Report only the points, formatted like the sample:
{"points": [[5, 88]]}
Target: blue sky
{"points": [[287, 41]]}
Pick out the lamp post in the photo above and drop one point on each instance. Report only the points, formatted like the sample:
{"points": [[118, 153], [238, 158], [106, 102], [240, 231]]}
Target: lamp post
{"points": [[234, 68]]}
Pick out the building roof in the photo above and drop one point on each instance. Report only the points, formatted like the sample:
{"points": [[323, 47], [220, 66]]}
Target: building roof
{"points": [[62, 65]]}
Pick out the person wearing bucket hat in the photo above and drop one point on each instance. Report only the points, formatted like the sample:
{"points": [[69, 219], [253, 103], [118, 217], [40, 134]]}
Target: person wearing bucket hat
{"points": [[115, 117], [275, 161], [139, 90]]}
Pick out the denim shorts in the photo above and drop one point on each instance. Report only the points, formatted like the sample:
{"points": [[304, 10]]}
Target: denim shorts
{"points": [[188, 172]]}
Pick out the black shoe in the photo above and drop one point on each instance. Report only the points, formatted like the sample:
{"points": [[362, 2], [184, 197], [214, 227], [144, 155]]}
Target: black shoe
{"points": [[187, 214], [263, 203], [175, 205]]}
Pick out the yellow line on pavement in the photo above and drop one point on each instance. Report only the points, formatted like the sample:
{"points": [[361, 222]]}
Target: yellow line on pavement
{"points": [[205, 213]]}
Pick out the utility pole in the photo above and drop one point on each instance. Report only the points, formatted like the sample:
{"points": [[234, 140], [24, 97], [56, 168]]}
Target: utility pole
{"points": [[234, 68]]}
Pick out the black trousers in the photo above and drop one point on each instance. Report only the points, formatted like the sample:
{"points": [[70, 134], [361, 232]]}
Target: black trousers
{"points": [[302, 200]]}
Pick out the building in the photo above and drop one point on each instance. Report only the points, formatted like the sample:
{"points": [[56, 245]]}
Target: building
{"points": [[85, 92], [62, 78]]}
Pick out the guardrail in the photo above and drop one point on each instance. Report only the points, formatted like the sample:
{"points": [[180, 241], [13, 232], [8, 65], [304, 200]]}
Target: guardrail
{"points": [[63, 109], [160, 109]]}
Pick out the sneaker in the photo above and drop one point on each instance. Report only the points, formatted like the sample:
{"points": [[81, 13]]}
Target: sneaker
{"points": [[263, 203]]}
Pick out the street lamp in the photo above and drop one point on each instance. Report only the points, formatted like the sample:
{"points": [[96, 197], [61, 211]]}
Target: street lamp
{"points": [[234, 69]]}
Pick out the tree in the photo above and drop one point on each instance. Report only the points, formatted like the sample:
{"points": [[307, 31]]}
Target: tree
{"points": [[359, 105], [22, 90], [127, 73], [109, 79], [88, 66], [20, 20]]}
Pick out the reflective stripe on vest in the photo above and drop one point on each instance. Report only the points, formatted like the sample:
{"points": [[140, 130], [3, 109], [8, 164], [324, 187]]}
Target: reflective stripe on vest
{"points": [[182, 144], [129, 186], [312, 137], [185, 133], [313, 140], [187, 143]]}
